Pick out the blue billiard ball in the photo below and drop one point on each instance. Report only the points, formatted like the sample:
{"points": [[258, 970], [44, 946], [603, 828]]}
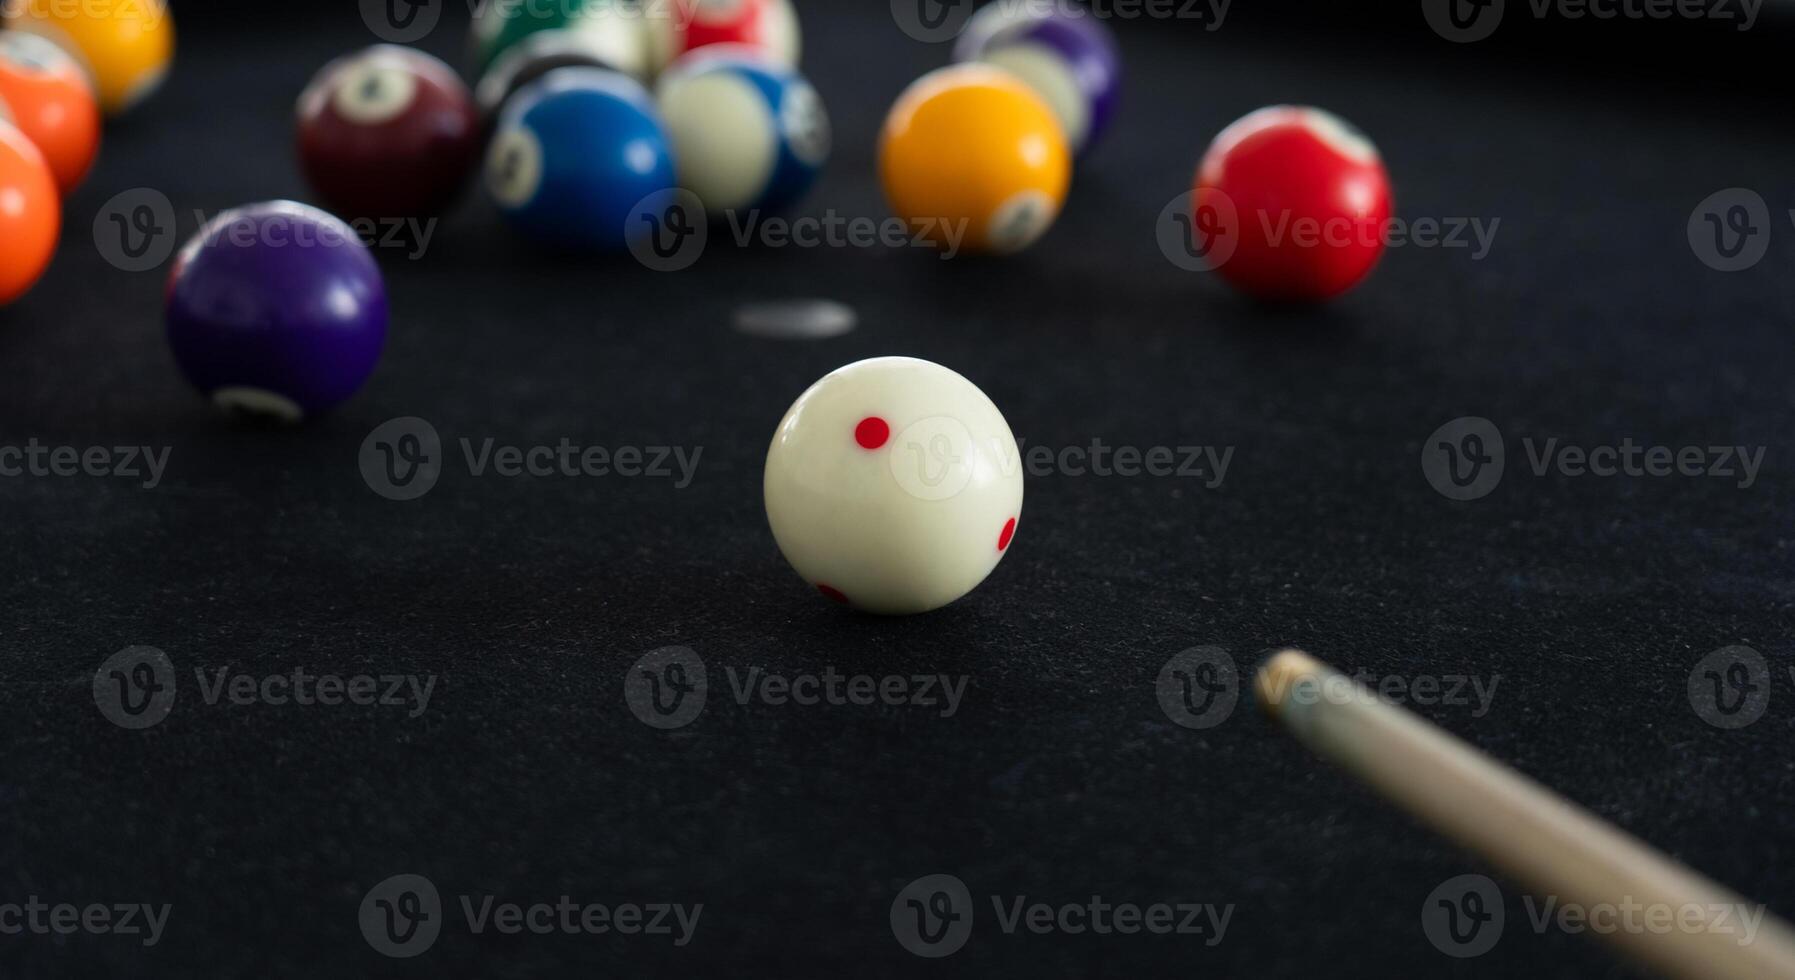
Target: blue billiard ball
{"points": [[748, 132], [276, 309], [574, 153]]}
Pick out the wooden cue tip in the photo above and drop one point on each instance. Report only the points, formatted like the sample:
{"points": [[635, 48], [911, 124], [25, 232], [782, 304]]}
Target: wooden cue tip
{"points": [[1279, 674]]}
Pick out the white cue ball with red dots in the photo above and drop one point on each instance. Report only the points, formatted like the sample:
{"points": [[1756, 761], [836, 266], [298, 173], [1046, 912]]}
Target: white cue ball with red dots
{"points": [[893, 485]]}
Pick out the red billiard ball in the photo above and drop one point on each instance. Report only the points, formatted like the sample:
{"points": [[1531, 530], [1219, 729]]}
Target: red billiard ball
{"points": [[1300, 202], [387, 132]]}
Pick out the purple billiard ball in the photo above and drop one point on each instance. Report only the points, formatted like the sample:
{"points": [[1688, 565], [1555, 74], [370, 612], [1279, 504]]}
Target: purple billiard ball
{"points": [[1067, 56], [276, 309]]}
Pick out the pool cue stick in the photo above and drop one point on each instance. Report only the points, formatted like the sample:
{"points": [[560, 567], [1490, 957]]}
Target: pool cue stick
{"points": [[1540, 839]]}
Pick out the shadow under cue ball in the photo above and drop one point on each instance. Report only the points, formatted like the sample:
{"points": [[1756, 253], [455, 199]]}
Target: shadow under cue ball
{"points": [[276, 309], [387, 132], [893, 486], [971, 156]]}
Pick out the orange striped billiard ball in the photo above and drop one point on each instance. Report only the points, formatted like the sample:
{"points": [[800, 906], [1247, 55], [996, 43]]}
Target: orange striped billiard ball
{"points": [[970, 156], [30, 214], [51, 102]]}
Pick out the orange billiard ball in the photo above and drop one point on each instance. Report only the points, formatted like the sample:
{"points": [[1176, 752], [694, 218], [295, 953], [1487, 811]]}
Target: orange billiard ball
{"points": [[30, 214], [971, 157], [51, 102], [124, 45]]}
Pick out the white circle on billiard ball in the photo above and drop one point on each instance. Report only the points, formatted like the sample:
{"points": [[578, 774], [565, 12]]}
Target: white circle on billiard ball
{"points": [[893, 484], [1050, 76], [806, 124], [374, 91], [514, 167], [1020, 220], [31, 52], [724, 136]]}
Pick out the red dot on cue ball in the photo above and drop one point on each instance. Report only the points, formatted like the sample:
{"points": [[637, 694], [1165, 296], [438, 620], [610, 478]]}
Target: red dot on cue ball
{"points": [[872, 432], [1008, 532], [832, 593]]}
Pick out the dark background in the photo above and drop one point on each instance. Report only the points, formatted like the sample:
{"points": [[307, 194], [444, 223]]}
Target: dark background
{"points": [[1061, 777]]}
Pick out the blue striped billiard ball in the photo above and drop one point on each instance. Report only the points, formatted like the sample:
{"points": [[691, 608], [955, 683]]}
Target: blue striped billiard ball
{"points": [[748, 132], [572, 156]]}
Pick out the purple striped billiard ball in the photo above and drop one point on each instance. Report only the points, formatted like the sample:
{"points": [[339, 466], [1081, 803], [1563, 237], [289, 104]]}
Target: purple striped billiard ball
{"points": [[1067, 56], [276, 309]]}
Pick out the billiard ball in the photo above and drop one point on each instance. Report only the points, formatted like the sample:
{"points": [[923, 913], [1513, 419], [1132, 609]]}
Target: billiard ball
{"points": [[1303, 198], [969, 152], [674, 27], [893, 485], [126, 47], [51, 102], [1069, 59], [387, 132], [277, 310], [572, 156], [30, 214], [610, 31], [747, 132], [530, 59]]}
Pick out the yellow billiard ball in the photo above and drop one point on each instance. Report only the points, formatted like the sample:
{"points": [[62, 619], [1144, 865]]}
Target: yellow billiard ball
{"points": [[970, 156], [125, 45]]}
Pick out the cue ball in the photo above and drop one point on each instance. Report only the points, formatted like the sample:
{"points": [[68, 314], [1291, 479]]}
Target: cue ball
{"points": [[971, 151], [1070, 59], [51, 102], [893, 486], [387, 132], [747, 132], [124, 45], [276, 309], [30, 213], [674, 27], [1305, 197], [574, 154]]}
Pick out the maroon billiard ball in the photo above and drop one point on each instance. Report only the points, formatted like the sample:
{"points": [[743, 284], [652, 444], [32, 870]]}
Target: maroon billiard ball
{"points": [[387, 132], [1295, 203]]}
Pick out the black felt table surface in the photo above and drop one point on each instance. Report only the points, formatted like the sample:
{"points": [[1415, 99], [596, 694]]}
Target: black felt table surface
{"points": [[1585, 601]]}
